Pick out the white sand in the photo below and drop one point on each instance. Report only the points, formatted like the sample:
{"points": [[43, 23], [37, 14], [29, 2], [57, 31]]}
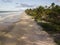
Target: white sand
{"points": [[27, 32]]}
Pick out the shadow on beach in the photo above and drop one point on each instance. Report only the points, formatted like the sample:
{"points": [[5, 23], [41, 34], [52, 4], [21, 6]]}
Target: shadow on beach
{"points": [[55, 34], [4, 29]]}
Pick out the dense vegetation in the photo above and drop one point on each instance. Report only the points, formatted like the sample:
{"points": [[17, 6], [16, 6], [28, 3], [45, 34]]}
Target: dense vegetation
{"points": [[48, 17], [49, 14]]}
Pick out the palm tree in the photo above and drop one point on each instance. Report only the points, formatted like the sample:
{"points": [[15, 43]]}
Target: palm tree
{"points": [[52, 5]]}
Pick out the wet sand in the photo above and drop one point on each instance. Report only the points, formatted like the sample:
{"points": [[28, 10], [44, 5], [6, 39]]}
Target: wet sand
{"points": [[24, 32]]}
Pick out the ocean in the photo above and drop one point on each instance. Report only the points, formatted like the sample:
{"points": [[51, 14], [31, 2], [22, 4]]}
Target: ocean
{"points": [[9, 16]]}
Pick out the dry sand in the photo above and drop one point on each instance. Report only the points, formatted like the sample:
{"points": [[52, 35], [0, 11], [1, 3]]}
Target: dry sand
{"points": [[25, 32]]}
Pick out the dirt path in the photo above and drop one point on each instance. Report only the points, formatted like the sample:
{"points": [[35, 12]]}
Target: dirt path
{"points": [[27, 32]]}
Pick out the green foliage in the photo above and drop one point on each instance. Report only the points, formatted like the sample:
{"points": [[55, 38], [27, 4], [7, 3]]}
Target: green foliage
{"points": [[48, 13]]}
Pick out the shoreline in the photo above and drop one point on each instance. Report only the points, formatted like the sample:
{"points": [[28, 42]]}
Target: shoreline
{"points": [[6, 26], [24, 32]]}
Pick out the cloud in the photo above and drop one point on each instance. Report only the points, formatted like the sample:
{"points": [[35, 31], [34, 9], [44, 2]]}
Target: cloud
{"points": [[58, 0], [17, 3], [27, 5], [6, 1], [24, 6]]}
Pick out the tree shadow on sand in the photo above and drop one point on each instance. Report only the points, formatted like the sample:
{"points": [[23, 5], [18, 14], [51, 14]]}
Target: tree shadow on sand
{"points": [[49, 28], [4, 31]]}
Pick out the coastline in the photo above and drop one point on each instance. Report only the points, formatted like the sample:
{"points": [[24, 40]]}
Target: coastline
{"points": [[7, 24], [25, 32]]}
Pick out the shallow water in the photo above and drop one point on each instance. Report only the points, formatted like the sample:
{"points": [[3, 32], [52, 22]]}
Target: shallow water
{"points": [[9, 16], [8, 20]]}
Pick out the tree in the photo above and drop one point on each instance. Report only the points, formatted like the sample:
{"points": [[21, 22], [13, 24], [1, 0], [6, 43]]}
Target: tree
{"points": [[52, 5]]}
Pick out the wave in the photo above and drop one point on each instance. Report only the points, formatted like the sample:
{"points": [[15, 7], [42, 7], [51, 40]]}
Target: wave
{"points": [[10, 17]]}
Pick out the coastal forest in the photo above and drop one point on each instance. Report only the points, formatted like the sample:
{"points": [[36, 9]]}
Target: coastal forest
{"points": [[48, 17]]}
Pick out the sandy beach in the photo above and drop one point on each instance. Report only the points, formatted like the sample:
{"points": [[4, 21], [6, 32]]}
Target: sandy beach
{"points": [[8, 20], [24, 32]]}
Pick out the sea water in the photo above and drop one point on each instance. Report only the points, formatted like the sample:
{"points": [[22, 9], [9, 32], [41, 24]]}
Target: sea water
{"points": [[9, 16]]}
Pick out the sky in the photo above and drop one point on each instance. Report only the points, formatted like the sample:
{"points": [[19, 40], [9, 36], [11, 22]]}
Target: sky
{"points": [[16, 5]]}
